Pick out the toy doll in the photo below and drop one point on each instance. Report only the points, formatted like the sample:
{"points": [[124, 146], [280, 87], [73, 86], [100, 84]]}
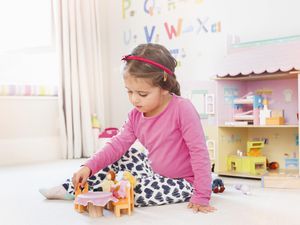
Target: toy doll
{"points": [[109, 181]]}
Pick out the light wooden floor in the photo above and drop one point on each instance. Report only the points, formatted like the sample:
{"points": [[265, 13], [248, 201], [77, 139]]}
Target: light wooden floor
{"points": [[21, 203]]}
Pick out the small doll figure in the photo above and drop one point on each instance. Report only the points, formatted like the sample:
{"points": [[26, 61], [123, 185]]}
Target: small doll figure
{"points": [[109, 181], [119, 189], [217, 186]]}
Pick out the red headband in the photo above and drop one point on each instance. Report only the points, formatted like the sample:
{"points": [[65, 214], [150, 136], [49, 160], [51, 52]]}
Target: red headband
{"points": [[138, 58]]}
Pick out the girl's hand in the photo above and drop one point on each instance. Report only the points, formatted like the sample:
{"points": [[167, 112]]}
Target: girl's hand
{"points": [[81, 176], [201, 208]]}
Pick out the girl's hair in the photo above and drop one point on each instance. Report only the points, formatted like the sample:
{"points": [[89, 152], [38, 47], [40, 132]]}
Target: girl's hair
{"points": [[158, 77]]}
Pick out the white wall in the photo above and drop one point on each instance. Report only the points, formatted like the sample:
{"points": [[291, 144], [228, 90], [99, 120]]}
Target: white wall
{"points": [[29, 127], [28, 130], [198, 50]]}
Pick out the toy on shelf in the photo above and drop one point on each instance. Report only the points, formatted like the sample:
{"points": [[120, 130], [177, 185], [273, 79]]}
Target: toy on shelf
{"points": [[92, 202], [291, 162], [247, 108], [123, 190], [254, 148], [108, 182], [218, 186], [273, 165], [254, 165], [264, 113], [277, 117]]}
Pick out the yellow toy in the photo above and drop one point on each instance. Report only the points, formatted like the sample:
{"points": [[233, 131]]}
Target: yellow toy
{"points": [[255, 165], [78, 191], [254, 148], [119, 198], [92, 202], [126, 203]]}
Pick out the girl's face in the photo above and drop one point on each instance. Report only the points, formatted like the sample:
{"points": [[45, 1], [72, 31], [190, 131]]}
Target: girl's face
{"points": [[147, 99]]}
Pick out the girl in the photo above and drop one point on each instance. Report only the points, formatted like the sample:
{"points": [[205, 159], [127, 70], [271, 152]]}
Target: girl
{"points": [[167, 125]]}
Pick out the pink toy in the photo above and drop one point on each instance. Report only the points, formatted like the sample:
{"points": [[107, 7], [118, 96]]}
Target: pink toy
{"points": [[109, 132], [106, 135], [119, 189]]}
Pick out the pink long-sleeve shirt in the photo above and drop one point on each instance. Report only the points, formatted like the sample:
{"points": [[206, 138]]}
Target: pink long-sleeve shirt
{"points": [[175, 143]]}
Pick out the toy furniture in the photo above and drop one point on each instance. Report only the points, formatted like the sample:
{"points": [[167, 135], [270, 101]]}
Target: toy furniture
{"points": [[124, 204], [79, 191], [126, 200], [247, 108], [94, 202], [254, 148], [291, 163], [253, 165]]}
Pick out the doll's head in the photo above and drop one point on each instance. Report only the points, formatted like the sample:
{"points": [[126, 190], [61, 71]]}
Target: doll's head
{"points": [[111, 175], [128, 176]]}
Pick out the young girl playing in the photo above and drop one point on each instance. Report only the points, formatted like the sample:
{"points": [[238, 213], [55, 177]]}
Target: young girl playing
{"points": [[167, 125]]}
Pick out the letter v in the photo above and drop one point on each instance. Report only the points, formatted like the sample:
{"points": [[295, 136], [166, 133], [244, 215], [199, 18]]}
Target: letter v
{"points": [[149, 37]]}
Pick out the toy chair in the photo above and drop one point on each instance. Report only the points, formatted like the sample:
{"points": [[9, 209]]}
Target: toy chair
{"points": [[126, 203], [78, 191]]}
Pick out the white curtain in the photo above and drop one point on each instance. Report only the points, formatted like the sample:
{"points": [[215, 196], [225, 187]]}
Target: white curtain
{"points": [[81, 88]]}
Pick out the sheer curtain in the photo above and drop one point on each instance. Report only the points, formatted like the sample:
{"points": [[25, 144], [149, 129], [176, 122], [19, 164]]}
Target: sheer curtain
{"points": [[81, 78]]}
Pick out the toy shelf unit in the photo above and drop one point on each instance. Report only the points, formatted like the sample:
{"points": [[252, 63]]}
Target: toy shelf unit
{"points": [[257, 118]]}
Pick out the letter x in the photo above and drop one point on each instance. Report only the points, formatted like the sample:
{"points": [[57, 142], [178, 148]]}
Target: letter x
{"points": [[202, 25]]}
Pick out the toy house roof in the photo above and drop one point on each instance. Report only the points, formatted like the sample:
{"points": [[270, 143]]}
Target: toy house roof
{"points": [[254, 58]]}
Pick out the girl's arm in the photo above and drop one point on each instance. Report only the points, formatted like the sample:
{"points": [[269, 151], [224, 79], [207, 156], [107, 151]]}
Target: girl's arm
{"points": [[194, 138]]}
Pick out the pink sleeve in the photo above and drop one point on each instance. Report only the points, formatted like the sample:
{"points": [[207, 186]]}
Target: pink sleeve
{"points": [[194, 138], [113, 150]]}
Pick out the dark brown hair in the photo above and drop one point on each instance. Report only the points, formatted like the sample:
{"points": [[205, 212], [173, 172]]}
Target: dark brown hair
{"points": [[157, 76]]}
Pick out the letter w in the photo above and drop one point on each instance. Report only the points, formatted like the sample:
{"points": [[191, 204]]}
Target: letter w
{"points": [[171, 30]]}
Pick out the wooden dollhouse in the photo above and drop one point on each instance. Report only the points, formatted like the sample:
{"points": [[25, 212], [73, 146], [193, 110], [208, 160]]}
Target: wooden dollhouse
{"points": [[270, 70]]}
